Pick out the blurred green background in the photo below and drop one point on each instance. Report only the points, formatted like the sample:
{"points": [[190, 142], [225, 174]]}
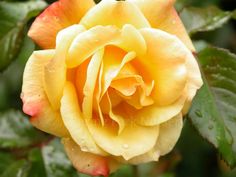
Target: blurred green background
{"points": [[25, 151]]}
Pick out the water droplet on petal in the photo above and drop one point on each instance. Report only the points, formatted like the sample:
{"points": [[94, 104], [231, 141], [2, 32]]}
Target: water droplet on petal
{"points": [[125, 146], [85, 149]]}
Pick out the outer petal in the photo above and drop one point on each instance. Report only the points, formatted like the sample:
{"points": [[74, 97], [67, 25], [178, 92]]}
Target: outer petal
{"points": [[194, 81], [162, 15], [165, 67], [74, 121], [57, 16], [169, 134], [116, 13], [55, 70], [34, 98], [134, 140], [86, 162]]}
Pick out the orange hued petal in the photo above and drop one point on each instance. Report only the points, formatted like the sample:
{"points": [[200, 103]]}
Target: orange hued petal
{"points": [[56, 17], [86, 162], [161, 14]]}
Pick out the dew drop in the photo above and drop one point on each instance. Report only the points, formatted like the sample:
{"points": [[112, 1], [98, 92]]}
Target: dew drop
{"points": [[210, 127], [125, 146], [85, 149], [198, 113]]}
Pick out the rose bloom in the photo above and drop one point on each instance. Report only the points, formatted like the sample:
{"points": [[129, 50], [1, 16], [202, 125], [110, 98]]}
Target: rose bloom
{"points": [[113, 80]]}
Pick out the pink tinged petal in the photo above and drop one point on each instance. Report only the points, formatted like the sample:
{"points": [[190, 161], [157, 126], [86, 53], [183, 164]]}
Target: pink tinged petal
{"points": [[56, 17], [162, 15], [165, 67], [33, 95], [89, 87], [74, 121], [55, 70], [85, 44], [50, 121], [116, 13], [86, 162], [34, 98]]}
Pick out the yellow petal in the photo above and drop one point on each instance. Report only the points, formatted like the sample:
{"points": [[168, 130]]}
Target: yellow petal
{"points": [[134, 140], [50, 121], [130, 36], [85, 44], [34, 98], [155, 115], [162, 15], [164, 63], [194, 81], [55, 70], [169, 134], [127, 85], [92, 75], [116, 13], [113, 61], [86, 162], [113, 115], [74, 121], [56, 17]]}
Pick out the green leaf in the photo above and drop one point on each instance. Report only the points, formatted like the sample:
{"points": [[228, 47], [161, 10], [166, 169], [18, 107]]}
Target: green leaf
{"points": [[213, 111], [17, 169], [37, 164], [14, 16], [56, 162], [203, 19], [16, 131], [234, 15], [10, 84], [5, 159]]}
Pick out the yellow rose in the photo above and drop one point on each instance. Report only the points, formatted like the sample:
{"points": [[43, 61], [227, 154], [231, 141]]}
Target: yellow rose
{"points": [[113, 81]]}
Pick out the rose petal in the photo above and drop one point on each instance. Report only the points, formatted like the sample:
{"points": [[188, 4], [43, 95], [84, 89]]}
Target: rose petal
{"points": [[166, 66], [34, 98], [74, 121], [134, 140], [130, 36], [169, 134], [88, 90], [116, 13], [162, 15], [86, 162], [85, 44], [48, 117], [113, 61], [55, 70], [155, 115], [57, 16], [194, 81]]}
